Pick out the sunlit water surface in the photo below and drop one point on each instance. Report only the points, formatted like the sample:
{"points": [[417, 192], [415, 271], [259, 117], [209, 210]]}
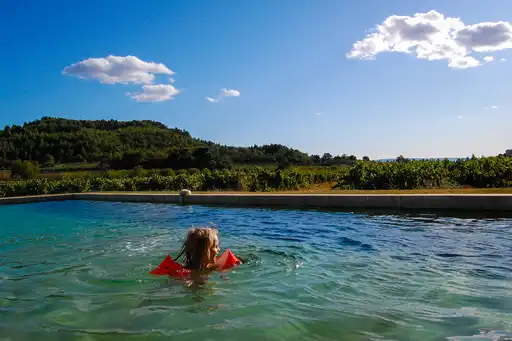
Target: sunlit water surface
{"points": [[79, 271]]}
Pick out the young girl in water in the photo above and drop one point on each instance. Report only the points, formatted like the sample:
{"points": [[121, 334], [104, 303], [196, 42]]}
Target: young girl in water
{"points": [[200, 249], [199, 253]]}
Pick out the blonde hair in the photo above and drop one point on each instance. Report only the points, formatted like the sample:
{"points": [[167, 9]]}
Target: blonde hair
{"points": [[197, 247]]}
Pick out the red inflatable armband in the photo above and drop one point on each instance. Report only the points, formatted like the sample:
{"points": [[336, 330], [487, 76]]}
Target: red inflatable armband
{"points": [[170, 267], [227, 260]]}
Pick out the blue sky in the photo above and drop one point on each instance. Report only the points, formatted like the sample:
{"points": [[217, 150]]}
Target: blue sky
{"points": [[290, 70]]}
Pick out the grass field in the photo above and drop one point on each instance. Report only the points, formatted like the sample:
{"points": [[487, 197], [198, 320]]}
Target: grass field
{"points": [[71, 167], [5, 175]]}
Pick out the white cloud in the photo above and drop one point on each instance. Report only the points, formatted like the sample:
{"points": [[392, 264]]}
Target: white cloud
{"points": [[494, 107], [318, 113], [229, 93], [486, 36], [503, 59], [488, 59], [461, 117], [155, 93], [224, 93], [114, 69], [463, 62], [127, 70], [432, 36]]}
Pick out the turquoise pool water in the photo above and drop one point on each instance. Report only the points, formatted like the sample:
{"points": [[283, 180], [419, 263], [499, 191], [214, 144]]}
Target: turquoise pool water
{"points": [[79, 271]]}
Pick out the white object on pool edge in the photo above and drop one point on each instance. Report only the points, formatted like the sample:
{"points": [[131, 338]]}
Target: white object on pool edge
{"points": [[185, 192]]}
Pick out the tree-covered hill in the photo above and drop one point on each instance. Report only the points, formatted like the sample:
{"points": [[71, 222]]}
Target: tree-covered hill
{"points": [[123, 145]]}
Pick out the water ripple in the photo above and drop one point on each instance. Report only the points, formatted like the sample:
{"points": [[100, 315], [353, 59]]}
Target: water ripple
{"points": [[79, 271]]}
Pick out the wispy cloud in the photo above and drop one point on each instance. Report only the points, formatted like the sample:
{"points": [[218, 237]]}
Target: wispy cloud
{"points": [[224, 93], [503, 60], [432, 36], [461, 117], [318, 114], [488, 59], [494, 107]]}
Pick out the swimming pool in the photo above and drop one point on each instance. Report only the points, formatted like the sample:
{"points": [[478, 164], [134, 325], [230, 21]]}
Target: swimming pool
{"points": [[78, 270]]}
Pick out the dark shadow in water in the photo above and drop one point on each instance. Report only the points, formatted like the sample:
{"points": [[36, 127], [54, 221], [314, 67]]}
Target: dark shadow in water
{"points": [[432, 213], [477, 214], [345, 241]]}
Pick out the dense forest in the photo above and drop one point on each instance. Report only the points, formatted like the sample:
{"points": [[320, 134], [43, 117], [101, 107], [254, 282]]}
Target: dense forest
{"points": [[125, 145]]}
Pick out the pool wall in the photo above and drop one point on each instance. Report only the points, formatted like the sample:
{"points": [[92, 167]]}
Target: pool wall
{"points": [[466, 202]]}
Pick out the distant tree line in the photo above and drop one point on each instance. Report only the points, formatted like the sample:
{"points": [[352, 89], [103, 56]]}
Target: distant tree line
{"points": [[125, 145]]}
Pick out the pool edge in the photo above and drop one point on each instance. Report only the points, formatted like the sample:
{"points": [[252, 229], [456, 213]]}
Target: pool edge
{"points": [[463, 202], [29, 199]]}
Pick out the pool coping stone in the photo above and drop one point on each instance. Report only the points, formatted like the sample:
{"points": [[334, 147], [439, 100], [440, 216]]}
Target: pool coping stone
{"points": [[465, 202]]}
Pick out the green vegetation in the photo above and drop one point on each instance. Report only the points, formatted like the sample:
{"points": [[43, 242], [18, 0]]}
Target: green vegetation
{"points": [[52, 142], [485, 172], [25, 169], [255, 180], [54, 155], [490, 172]]}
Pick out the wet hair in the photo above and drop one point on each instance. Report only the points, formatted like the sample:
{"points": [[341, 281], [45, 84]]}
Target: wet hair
{"points": [[197, 247]]}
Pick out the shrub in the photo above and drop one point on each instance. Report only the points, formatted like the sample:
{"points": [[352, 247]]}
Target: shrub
{"points": [[25, 170], [167, 172], [137, 171], [49, 161]]}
